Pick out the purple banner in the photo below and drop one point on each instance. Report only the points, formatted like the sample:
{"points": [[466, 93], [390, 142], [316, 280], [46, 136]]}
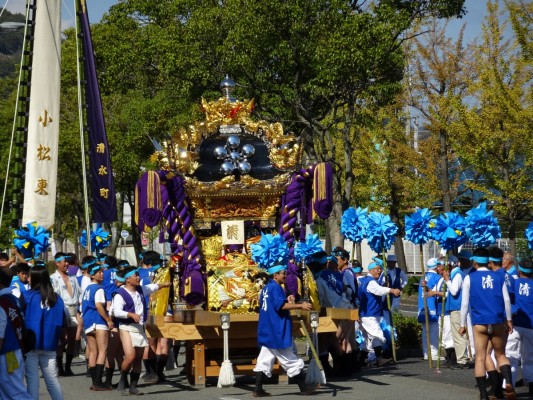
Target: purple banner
{"points": [[104, 202]]}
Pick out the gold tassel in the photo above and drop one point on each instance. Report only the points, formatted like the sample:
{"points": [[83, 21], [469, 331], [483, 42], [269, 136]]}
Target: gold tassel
{"points": [[159, 299]]}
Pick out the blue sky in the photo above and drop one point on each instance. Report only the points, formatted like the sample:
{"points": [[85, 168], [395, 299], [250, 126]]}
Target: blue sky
{"points": [[476, 12]]}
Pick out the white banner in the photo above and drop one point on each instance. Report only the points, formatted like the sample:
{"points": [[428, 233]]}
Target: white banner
{"points": [[43, 126], [232, 232]]}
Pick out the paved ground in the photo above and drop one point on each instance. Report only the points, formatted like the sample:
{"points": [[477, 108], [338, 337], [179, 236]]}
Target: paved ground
{"points": [[410, 379]]}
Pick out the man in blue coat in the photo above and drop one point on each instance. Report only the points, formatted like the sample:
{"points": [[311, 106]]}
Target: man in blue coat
{"points": [[274, 333]]}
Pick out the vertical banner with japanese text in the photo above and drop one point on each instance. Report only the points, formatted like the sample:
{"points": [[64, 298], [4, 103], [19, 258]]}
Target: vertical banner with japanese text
{"points": [[104, 202], [43, 120]]}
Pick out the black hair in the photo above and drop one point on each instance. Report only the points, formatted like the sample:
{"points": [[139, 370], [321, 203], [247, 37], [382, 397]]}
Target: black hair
{"points": [[151, 257], [122, 264], [72, 258], [60, 254], [356, 264], [340, 252], [21, 267], [4, 256], [88, 260], [40, 280], [5, 279], [314, 263], [496, 252], [481, 252], [111, 261]]}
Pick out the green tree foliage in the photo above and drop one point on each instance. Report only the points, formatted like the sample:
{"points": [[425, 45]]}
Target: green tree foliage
{"points": [[440, 75], [493, 135], [313, 65], [10, 43]]}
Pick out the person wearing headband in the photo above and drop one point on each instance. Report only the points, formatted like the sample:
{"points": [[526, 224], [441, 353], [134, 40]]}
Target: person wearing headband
{"points": [[522, 298], [429, 281], [454, 287], [96, 324], [130, 311], [397, 278], [371, 311], [156, 353], [509, 264], [274, 333], [485, 294], [444, 320], [67, 287], [11, 373]]}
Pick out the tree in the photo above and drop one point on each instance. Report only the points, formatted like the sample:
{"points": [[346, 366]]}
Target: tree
{"points": [[312, 65], [440, 77], [493, 135]]}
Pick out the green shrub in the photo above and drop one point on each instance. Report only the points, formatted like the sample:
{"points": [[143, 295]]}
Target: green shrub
{"points": [[408, 330], [412, 286]]}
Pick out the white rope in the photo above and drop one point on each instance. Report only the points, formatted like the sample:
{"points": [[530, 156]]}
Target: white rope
{"points": [[226, 377]]}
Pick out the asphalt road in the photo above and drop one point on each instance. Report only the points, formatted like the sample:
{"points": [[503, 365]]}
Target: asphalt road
{"points": [[410, 379]]}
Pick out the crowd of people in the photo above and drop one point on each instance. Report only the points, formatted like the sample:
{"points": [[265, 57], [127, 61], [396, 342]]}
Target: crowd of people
{"points": [[475, 311], [101, 303]]}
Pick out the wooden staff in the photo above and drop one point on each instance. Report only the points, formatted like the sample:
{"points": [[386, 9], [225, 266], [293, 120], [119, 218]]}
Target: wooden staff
{"points": [[426, 313], [393, 340], [442, 315]]}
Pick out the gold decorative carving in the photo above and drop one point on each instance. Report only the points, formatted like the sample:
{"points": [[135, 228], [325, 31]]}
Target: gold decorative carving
{"points": [[182, 152]]}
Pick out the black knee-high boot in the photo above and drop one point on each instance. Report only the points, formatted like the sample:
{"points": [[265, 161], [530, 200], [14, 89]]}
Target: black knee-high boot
{"points": [[109, 377], [134, 380], [160, 367], [122, 383], [68, 363], [482, 386], [509, 388], [259, 391], [495, 384]]}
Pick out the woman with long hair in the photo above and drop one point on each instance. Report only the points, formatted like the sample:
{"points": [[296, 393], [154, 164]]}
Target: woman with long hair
{"points": [[45, 315]]}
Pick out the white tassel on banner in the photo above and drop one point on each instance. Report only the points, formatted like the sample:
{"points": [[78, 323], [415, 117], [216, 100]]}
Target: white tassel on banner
{"points": [[226, 377]]}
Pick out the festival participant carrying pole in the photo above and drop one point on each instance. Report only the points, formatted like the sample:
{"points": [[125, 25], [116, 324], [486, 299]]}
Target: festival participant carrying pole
{"points": [[449, 232], [417, 231], [442, 311], [381, 232], [353, 225], [483, 230]]}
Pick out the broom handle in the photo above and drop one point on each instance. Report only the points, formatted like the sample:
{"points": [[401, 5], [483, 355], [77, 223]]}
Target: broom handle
{"points": [[309, 341]]}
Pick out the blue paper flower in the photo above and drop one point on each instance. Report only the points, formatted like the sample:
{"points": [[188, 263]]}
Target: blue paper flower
{"points": [[271, 250], [417, 226], [449, 230], [100, 239], [304, 250], [481, 227], [381, 232], [32, 236], [529, 235], [354, 224]]}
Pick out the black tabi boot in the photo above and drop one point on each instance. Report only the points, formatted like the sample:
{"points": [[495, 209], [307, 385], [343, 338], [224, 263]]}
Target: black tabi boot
{"points": [[258, 390], [59, 363], [109, 377], [530, 388], [98, 385], [356, 367], [328, 369], [305, 389], [379, 356], [482, 386], [509, 388], [68, 363], [363, 358], [87, 372], [160, 367], [123, 382], [134, 380], [150, 376], [496, 391]]}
